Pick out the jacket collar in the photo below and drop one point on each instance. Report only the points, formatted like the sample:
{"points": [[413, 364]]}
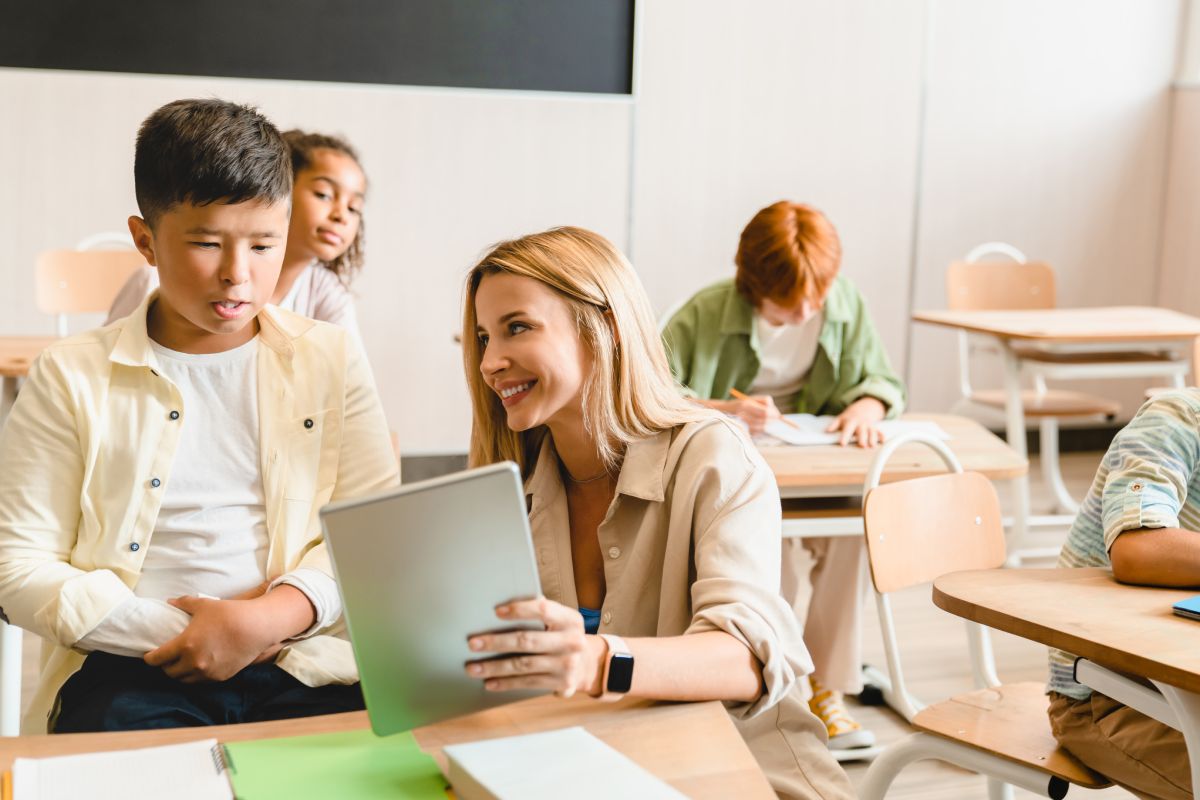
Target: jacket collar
{"points": [[643, 471], [277, 330]]}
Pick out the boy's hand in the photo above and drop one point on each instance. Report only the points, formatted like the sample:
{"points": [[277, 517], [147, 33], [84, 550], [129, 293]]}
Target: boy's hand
{"points": [[756, 411], [860, 420], [225, 636]]}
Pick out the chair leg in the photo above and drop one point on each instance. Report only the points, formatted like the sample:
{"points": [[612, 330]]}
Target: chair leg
{"points": [[999, 790], [920, 746], [1051, 471]]}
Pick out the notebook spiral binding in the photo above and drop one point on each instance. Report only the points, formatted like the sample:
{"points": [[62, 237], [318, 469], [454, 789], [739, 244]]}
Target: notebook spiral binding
{"points": [[221, 760]]}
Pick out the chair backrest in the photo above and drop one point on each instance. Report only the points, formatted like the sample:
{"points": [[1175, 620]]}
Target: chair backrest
{"points": [[999, 286], [75, 282], [920, 529]]}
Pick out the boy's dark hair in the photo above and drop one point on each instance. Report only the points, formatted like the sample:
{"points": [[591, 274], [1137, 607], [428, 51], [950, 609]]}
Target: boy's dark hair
{"points": [[302, 144], [208, 151]]}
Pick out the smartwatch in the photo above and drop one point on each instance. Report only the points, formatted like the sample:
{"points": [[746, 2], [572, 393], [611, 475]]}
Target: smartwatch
{"points": [[618, 669]]}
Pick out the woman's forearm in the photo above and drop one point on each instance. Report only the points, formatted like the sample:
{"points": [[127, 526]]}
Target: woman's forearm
{"points": [[700, 666]]}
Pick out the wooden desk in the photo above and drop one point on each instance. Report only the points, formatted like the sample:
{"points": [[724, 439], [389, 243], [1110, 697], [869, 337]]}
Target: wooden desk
{"points": [[692, 746], [1085, 612], [16, 357], [1114, 628], [1132, 326], [1110, 325], [834, 471], [817, 483]]}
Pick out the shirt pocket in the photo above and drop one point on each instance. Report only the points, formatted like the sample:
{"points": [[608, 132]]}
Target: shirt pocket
{"points": [[312, 455]]}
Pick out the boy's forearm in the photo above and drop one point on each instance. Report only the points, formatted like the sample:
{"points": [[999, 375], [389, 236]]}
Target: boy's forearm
{"points": [[287, 612], [1157, 557]]}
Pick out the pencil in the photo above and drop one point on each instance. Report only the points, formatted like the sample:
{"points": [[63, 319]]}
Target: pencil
{"points": [[6, 787], [783, 419]]}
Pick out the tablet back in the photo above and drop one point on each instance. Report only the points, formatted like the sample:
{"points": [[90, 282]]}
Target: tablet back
{"points": [[420, 568]]}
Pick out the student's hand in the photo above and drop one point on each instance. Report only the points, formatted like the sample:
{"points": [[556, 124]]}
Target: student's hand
{"points": [[225, 636], [250, 594], [756, 411], [860, 420], [562, 658]]}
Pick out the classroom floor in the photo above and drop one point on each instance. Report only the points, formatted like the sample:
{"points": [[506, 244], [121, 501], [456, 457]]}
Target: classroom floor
{"points": [[935, 662]]}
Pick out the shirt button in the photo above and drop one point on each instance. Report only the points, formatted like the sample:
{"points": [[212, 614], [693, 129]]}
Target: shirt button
{"points": [[308, 423], [155, 482], [614, 552], [134, 546], [174, 415], [607, 616], [1137, 487]]}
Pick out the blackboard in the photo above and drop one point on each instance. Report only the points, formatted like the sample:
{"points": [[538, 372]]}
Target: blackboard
{"points": [[547, 45]]}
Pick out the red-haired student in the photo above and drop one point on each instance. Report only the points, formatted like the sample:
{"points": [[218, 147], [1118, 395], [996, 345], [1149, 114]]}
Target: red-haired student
{"points": [[795, 336]]}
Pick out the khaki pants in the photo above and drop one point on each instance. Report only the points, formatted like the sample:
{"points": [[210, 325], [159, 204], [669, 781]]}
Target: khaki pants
{"points": [[1145, 756], [833, 627]]}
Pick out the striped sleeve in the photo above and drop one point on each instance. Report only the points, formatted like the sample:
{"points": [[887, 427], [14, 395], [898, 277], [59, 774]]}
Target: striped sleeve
{"points": [[1150, 465]]}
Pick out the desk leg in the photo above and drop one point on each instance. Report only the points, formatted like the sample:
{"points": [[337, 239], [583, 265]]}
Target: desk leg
{"points": [[10, 679], [1014, 413]]}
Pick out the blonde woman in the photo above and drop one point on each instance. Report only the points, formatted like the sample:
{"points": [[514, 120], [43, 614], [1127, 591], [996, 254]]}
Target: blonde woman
{"points": [[656, 523]]}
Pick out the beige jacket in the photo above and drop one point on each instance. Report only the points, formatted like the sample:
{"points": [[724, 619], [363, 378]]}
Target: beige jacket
{"points": [[92, 430], [692, 543]]}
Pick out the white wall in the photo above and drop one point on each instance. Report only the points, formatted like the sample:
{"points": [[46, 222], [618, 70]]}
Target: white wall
{"points": [[1047, 127], [1045, 123]]}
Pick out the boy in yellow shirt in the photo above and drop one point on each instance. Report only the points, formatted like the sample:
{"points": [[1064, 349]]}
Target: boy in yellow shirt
{"points": [[160, 477]]}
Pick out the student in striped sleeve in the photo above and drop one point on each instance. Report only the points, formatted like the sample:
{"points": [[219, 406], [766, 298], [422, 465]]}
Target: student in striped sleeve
{"points": [[1141, 516]]}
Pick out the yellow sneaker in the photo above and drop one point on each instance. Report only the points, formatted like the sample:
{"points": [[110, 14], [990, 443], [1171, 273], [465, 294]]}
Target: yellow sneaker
{"points": [[844, 731]]}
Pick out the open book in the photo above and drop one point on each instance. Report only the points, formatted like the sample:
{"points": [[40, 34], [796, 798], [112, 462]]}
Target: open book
{"points": [[810, 430]]}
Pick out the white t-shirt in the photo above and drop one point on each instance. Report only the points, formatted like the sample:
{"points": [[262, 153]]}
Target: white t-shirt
{"points": [[786, 354], [211, 534], [317, 294]]}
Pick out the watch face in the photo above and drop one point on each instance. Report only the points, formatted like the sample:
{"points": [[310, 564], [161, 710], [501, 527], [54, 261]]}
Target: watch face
{"points": [[620, 673]]}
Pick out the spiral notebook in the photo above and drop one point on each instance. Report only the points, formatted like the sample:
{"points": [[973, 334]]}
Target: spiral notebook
{"points": [[190, 771]]}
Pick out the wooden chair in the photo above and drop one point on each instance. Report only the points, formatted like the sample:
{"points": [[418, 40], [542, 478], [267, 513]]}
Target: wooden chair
{"points": [[917, 530], [1017, 284], [81, 282]]}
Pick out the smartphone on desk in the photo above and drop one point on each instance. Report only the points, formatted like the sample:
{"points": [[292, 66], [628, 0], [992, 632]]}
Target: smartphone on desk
{"points": [[1189, 608]]}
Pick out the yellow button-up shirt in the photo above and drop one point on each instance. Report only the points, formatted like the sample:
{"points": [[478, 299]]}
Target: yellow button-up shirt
{"points": [[692, 543], [90, 444]]}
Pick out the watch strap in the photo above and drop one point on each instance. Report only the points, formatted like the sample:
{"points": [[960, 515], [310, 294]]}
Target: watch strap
{"points": [[618, 652]]}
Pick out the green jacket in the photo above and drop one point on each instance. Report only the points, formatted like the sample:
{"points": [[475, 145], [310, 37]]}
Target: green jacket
{"points": [[712, 344]]}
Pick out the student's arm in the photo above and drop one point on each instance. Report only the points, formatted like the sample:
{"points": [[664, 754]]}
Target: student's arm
{"points": [[41, 479], [679, 340], [1157, 557], [1150, 467], [134, 628], [863, 352]]}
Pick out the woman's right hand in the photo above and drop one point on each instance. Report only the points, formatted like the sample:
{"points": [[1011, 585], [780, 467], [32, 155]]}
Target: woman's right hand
{"points": [[755, 411]]}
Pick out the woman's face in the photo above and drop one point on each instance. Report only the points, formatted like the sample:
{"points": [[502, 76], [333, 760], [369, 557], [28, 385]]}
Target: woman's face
{"points": [[327, 202], [532, 355]]}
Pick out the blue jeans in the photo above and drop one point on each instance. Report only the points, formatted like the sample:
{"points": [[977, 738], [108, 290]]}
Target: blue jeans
{"points": [[116, 693]]}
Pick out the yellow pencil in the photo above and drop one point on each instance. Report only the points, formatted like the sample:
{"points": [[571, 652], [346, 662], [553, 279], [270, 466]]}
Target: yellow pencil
{"points": [[6, 785], [744, 396]]}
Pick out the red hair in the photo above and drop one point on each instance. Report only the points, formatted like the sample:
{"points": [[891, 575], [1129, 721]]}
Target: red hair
{"points": [[788, 252]]}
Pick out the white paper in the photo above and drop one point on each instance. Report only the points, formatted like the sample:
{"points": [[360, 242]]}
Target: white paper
{"points": [[190, 771], [540, 766], [810, 430]]}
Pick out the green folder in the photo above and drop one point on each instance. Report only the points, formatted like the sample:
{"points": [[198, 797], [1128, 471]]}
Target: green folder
{"points": [[355, 765]]}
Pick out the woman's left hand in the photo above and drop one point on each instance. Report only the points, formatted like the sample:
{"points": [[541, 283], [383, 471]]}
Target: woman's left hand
{"points": [[860, 421], [562, 659]]}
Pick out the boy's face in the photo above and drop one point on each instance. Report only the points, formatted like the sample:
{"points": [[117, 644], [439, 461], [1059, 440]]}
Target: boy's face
{"points": [[217, 267]]}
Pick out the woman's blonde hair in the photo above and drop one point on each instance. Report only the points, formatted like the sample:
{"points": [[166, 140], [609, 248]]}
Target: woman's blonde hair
{"points": [[630, 393]]}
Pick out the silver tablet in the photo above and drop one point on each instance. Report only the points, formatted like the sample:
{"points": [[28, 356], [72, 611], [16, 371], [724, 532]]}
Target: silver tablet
{"points": [[420, 569]]}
